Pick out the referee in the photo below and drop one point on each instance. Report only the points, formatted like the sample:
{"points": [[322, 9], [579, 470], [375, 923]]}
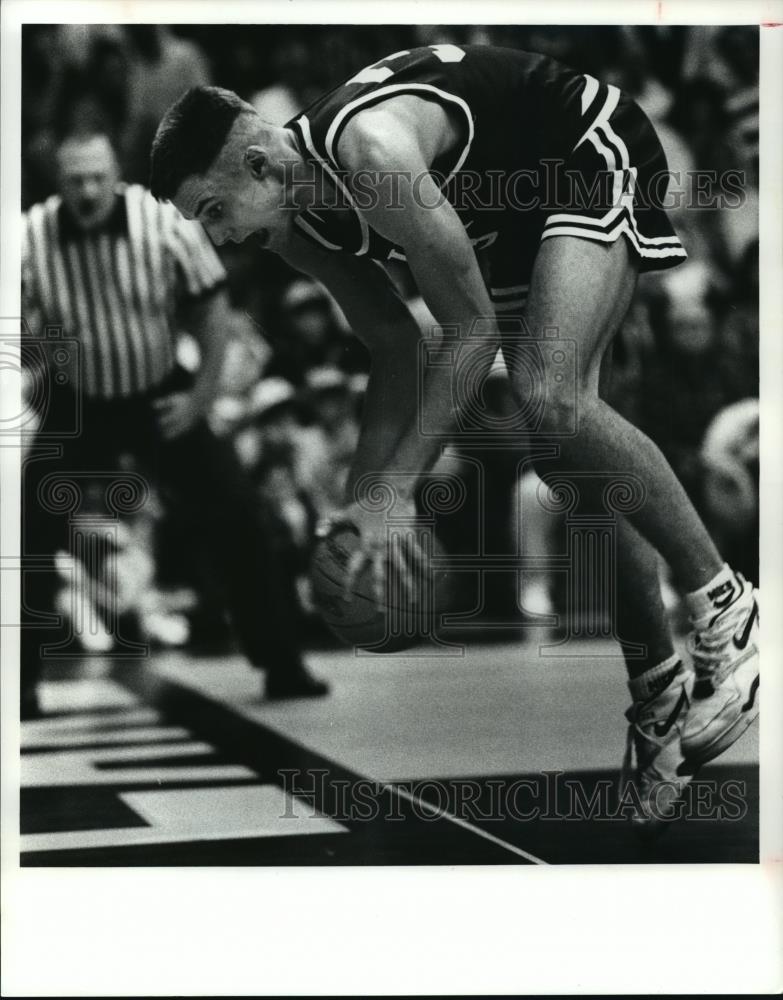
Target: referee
{"points": [[117, 271]]}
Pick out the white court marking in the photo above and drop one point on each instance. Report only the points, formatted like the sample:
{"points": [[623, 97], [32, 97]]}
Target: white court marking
{"points": [[69, 738], [445, 814], [177, 815], [78, 723], [80, 767], [87, 694]]}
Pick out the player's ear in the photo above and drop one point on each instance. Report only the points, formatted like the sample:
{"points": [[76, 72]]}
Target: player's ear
{"points": [[257, 162]]}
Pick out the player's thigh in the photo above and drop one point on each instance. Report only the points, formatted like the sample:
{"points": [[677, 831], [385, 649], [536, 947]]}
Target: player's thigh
{"points": [[582, 289]]}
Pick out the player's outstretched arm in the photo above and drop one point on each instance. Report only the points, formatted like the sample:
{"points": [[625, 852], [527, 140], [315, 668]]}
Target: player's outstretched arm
{"points": [[445, 268], [441, 259], [382, 321]]}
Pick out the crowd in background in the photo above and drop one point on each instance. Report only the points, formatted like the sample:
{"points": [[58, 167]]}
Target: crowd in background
{"points": [[687, 357]]}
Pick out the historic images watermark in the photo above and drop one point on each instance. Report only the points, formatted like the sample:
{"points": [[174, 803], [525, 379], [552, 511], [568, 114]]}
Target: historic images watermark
{"points": [[546, 796], [551, 186]]}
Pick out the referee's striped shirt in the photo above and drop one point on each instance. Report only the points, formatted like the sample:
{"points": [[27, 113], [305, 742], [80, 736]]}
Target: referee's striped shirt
{"points": [[116, 290]]}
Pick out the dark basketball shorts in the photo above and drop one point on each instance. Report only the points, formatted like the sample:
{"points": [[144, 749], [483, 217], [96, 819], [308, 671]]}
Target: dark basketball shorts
{"points": [[613, 184]]}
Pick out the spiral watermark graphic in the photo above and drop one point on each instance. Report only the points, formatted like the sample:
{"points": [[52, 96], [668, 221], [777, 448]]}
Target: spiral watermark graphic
{"points": [[128, 494], [444, 495], [375, 495], [557, 495], [59, 494], [624, 495]]}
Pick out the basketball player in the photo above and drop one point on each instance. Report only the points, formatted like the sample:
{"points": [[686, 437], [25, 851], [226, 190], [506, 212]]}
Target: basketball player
{"points": [[399, 162]]}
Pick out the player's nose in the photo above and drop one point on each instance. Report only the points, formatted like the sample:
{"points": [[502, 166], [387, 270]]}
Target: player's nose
{"points": [[219, 237]]}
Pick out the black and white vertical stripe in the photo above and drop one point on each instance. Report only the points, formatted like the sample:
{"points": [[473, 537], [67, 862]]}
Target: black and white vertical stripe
{"points": [[115, 291]]}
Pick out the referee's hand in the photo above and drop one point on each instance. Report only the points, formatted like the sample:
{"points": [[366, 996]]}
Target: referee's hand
{"points": [[177, 414]]}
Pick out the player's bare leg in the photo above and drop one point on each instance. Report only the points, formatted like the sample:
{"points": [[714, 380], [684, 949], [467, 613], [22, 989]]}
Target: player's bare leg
{"points": [[583, 289]]}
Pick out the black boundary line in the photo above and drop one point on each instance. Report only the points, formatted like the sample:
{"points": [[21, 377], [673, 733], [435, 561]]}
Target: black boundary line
{"points": [[259, 747]]}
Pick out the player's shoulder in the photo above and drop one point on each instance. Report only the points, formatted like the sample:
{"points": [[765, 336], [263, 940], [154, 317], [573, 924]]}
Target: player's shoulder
{"points": [[392, 133], [371, 135]]}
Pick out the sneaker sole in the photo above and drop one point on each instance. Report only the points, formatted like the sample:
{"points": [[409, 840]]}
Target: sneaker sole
{"points": [[723, 741]]}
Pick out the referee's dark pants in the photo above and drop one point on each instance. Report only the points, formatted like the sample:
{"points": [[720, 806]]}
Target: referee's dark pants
{"points": [[212, 492]]}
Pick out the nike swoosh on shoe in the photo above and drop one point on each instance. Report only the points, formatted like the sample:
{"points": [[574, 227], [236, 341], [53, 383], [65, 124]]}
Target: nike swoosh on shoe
{"points": [[662, 728], [741, 640], [752, 694]]}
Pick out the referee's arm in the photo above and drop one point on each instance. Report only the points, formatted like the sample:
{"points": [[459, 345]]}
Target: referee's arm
{"points": [[206, 313], [209, 319]]}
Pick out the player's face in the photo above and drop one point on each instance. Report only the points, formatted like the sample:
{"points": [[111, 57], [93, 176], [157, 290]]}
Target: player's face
{"points": [[232, 205], [88, 178]]}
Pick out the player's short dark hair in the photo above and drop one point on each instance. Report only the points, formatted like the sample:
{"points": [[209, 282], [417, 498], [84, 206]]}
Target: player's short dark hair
{"points": [[190, 137]]}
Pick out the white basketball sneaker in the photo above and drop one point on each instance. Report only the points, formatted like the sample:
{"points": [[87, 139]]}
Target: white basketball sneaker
{"points": [[725, 652], [660, 772]]}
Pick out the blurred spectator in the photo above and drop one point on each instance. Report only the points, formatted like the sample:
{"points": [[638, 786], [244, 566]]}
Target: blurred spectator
{"points": [[273, 448], [326, 448], [740, 321], [310, 334], [270, 424], [161, 68], [730, 462], [293, 88], [118, 591], [695, 369], [43, 68]]}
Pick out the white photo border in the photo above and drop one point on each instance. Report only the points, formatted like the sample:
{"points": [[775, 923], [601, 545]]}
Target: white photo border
{"points": [[221, 931]]}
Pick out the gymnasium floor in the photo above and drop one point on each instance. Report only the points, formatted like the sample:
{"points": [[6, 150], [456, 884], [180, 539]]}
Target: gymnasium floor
{"points": [[489, 758]]}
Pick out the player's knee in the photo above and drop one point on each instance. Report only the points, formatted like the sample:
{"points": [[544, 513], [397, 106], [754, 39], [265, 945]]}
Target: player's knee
{"points": [[566, 405], [559, 414]]}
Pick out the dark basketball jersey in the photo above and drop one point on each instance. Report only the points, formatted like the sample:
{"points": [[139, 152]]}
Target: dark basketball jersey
{"points": [[543, 151], [515, 109]]}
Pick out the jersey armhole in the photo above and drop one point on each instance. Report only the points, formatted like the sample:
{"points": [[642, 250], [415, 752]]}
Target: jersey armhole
{"points": [[429, 92]]}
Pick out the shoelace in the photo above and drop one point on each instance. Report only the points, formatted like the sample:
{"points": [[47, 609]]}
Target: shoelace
{"points": [[707, 647], [627, 768]]}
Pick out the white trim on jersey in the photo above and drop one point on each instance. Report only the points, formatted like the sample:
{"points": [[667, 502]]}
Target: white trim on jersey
{"points": [[500, 307], [304, 124], [612, 97], [395, 89], [606, 219], [314, 234], [606, 229], [506, 299], [511, 290], [643, 244], [590, 92]]}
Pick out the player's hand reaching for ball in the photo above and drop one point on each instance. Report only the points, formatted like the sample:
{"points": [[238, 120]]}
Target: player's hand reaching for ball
{"points": [[386, 546]]}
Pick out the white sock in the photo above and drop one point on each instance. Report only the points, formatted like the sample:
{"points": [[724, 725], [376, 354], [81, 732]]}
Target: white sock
{"points": [[651, 682], [722, 589]]}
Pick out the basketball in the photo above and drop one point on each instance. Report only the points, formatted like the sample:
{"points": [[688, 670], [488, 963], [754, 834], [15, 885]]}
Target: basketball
{"points": [[358, 619]]}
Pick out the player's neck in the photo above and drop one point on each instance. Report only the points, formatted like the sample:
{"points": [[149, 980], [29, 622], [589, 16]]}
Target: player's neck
{"points": [[308, 186]]}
